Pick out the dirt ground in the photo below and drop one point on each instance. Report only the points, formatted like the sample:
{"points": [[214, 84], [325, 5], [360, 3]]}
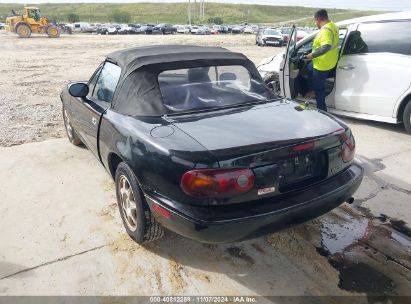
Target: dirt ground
{"points": [[61, 233]]}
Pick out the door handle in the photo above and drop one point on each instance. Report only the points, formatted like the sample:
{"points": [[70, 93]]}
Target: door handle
{"points": [[346, 67], [94, 120]]}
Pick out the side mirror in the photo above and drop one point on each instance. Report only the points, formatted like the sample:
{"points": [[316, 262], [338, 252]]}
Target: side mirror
{"points": [[79, 89]]}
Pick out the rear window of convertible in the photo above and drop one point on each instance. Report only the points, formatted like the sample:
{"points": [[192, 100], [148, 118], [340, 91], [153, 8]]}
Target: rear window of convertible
{"points": [[210, 87]]}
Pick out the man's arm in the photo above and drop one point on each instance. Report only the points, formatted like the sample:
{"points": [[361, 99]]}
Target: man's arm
{"points": [[321, 51]]}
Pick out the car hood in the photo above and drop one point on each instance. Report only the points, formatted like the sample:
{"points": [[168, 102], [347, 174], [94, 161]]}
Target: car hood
{"points": [[270, 64], [251, 129]]}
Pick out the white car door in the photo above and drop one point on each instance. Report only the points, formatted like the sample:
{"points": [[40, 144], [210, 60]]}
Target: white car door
{"points": [[285, 67], [371, 74]]}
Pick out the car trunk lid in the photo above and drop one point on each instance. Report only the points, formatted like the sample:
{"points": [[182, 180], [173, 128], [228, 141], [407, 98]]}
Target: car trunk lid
{"points": [[286, 145]]}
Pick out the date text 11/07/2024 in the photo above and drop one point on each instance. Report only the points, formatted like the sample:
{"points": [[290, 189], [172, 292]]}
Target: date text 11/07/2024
{"points": [[203, 299]]}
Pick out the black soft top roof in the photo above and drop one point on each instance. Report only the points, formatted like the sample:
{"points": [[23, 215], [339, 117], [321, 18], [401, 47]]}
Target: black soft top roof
{"points": [[137, 57], [138, 92]]}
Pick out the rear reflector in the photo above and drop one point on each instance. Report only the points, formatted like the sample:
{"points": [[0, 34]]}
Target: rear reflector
{"points": [[160, 210], [217, 182]]}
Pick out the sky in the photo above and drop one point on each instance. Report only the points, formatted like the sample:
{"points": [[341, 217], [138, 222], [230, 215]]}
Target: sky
{"points": [[384, 5]]}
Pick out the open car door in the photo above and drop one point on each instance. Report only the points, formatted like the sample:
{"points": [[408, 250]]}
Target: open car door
{"points": [[285, 67]]}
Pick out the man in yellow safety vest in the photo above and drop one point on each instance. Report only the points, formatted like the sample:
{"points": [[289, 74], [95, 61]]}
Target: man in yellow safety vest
{"points": [[324, 55]]}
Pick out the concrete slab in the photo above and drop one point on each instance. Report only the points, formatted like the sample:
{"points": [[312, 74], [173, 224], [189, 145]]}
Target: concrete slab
{"points": [[397, 171], [44, 206], [394, 204], [378, 140]]}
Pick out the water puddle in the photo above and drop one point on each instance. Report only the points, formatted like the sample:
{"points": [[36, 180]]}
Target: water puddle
{"points": [[401, 238], [367, 253], [337, 237]]}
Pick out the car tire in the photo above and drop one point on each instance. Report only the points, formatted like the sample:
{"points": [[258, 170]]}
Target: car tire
{"points": [[71, 133], [137, 218], [407, 117]]}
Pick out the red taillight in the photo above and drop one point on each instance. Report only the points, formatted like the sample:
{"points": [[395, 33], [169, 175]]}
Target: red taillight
{"points": [[217, 182], [303, 147], [348, 147]]}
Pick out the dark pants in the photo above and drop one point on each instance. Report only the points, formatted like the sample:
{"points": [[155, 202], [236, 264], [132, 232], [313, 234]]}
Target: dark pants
{"points": [[317, 83]]}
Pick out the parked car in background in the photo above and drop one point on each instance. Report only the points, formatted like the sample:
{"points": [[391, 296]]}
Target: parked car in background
{"points": [[372, 79], [134, 28], [216, 28], [224, 29], [286, 31], [83, 27], [156, 118], [146, 29], [67, 28], [107, 30], [238, 29], [194, 29], [94, 27], [203, 30], [182, 29], [164, 29], [2, 26], [124, 29], [251, 29], [258, 35], [270, 37], [301, 34], [214, 31]]}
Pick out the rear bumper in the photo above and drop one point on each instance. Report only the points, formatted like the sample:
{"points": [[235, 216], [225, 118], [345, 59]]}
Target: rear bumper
{"points": [[223, 224]]}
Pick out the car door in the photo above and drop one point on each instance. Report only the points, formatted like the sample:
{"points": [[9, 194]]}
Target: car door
{"points": [[285, 67], [89, 110], [371, 69]]}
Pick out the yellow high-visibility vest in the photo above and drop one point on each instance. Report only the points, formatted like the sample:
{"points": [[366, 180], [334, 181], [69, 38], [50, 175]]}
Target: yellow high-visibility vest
{"points": [[329, 34]]}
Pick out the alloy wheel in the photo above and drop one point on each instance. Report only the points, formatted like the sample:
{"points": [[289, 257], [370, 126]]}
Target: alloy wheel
{"points": [[128, 204]]}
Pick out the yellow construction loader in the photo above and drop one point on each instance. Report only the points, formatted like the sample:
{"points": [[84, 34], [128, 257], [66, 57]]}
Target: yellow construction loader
{"points": [[29, 22]]}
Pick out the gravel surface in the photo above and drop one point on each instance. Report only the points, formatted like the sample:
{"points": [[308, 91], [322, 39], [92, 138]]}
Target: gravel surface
{"points": [[34, 71]]}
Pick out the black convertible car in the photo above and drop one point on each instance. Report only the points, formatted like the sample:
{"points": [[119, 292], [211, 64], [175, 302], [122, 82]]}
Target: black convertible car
{"points": [[198, 144]]}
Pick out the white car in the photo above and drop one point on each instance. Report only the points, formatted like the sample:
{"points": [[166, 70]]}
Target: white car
{"points": [[269, 37], [251, 29], [82, 27], [194, 29], [373, 75], [183, 29], [2, 25]]}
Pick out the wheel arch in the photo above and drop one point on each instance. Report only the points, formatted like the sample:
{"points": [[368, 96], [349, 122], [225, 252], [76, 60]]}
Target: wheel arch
{"points": [[402, 106], [113, 161]]}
